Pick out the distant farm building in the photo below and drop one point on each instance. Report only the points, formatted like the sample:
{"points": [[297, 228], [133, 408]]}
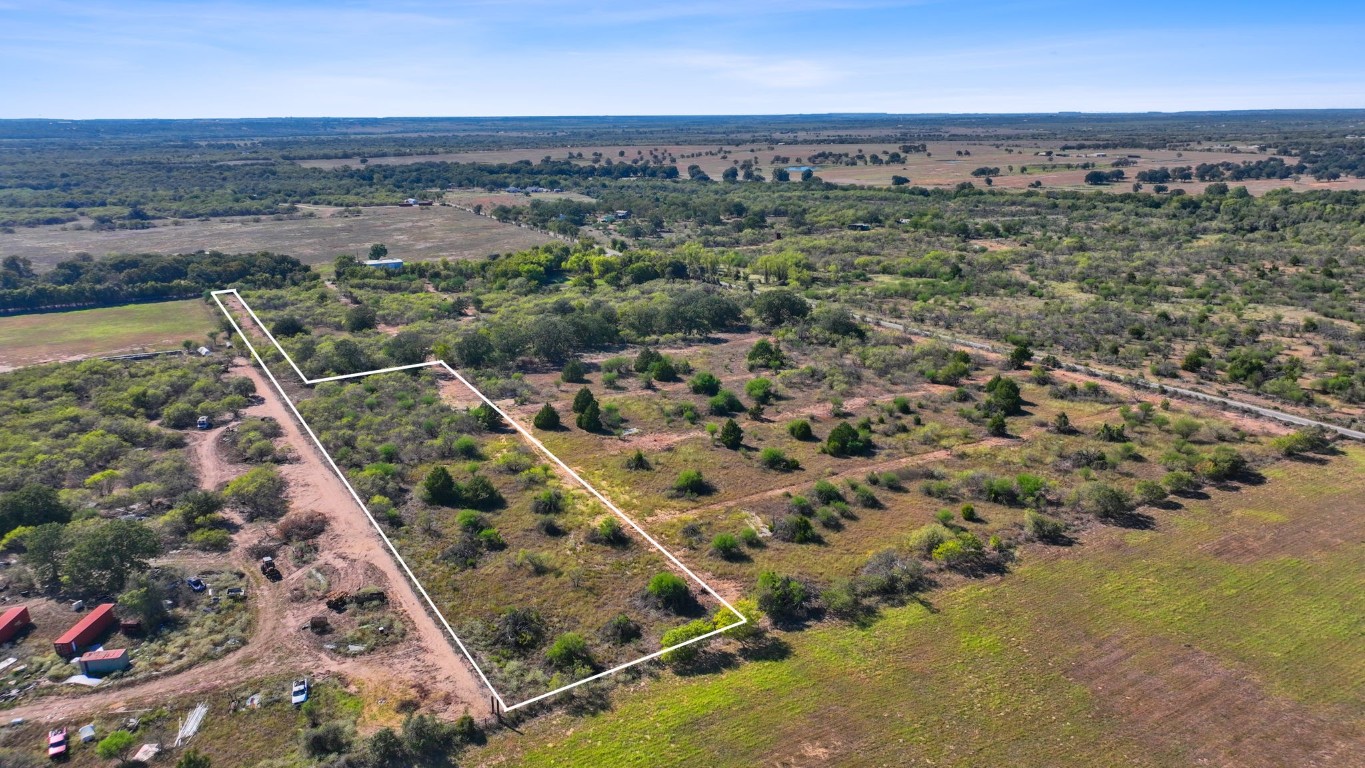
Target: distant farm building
{"points": [[96, 663], [384, 263], [85, 631]]}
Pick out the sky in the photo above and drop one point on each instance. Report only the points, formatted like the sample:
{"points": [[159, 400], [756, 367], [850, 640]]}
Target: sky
{"points": [[306, 58]]}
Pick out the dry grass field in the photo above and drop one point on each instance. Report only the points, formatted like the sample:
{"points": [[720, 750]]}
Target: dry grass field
{"points": [[45, 338], [940, 167], [410, 233], [1228, 635]]}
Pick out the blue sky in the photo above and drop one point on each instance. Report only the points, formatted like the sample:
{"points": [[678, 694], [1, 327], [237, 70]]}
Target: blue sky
{"points": [[249, 58]]}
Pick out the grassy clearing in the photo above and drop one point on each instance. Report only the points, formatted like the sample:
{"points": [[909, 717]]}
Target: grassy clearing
{"points": [[42, 338], [1044, 666], [410, 233]]}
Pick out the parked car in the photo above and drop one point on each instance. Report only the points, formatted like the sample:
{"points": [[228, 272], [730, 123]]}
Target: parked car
{"points": [[196, 584], [56, 743], [299, 693], [204, 423]]}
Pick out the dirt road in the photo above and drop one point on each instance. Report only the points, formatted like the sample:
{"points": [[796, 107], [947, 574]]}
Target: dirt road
{"points": [[350, 552]]}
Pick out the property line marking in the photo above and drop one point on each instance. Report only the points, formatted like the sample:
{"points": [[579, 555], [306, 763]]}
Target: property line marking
{"points": [[394, 550]]}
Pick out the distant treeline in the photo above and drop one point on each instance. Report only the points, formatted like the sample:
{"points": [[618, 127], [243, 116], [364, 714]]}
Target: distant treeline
{"points": [[88, 282]]}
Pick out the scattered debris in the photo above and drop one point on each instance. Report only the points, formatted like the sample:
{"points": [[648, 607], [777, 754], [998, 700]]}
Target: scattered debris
{"points": [[190, 725]]}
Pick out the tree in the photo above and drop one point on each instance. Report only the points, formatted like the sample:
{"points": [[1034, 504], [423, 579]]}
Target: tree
{"points": [[1020, 355], [261, 492], [574, 372], [115, 746], [731, 435], [43, 548], [583, 399], [780, 306], [288, 325], [406, 348], [439, 488], [1097, 177], [145, 601], [670, 591], [361, 318], [31, 505], [102, 555], [590, 420], [379, 251], [1004, 396], [547, 418]]}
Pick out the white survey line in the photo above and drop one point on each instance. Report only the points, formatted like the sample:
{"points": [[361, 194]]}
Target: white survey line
{"points": [[529, 437]]}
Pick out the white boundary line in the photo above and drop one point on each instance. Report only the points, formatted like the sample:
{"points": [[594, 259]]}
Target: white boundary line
{"points": [[524, 433]]}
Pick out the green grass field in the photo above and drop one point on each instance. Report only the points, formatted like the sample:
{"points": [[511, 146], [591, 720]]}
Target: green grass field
{"points": [[1231, 634], [44, 338]]}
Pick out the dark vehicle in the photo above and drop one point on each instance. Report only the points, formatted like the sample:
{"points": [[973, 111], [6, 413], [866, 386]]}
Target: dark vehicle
{"points": [[196, 584], [204, 423]]}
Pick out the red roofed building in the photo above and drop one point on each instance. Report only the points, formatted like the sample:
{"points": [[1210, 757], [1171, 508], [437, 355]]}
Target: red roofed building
{"points": [[86, 630]]}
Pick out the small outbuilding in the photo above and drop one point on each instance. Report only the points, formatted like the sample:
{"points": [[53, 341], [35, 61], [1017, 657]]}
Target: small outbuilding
{"points": [[96, 663], [384, 263]]}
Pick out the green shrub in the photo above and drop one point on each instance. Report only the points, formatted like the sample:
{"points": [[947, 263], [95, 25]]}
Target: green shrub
{"points": [[725, 546], [800, 429], [704, 383], [844, 440], [691, 482], [670, 591], [795, 529], [724, 403], [621, 629], [1043, 527], [568, 652], [775, 459], [760, 390], [546, 418], [751, 538], [731, 435], [781, 597], [574, 372], [925, 539]]}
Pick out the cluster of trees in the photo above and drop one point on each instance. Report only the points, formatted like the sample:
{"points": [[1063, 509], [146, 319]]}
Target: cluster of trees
{"points": [[84, 281]]}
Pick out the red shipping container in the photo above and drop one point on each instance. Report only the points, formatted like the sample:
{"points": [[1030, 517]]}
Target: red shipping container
{"points": [[12, 621], [85, 631]]}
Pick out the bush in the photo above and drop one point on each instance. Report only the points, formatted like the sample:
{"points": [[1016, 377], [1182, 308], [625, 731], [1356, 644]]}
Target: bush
{"points": [[302, 526], [691, 482], [326, 739], [829, 518], [751, 538], [1179, 481], [964, 552], [669, 591], [1044, 528], [969, 513], [889, 573], [582, 399], [704, 384], [1314, 440], [689, 631], [519, 629], [609, 532], [825, 492], [1103, 500], [844, 440], [621, 629], [210, 540], [781, 597], [590, 420], [725, 546], [574, 372], [775, 459], [800, 429], [115, 745], [925, 539], [760, 390], [568, 652], [288, 325], [724, 403], [637, 462], [546, 418], [731, 435], [1149, 492], [795, 529]]}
